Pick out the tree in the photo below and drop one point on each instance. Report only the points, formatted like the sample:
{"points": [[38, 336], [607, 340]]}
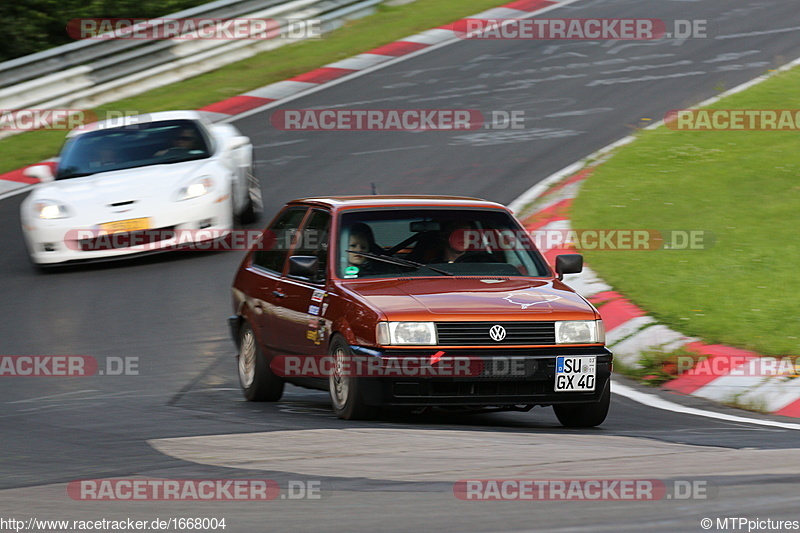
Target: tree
{"points": [[37, 25]]}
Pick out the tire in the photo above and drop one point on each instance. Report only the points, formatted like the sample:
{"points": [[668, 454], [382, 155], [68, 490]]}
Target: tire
{"points": [[345, 391], [585, 415], [254, 205], [258, 382]]}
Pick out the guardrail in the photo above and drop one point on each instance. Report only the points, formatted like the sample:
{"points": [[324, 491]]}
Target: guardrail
{"points": [[89, 73]]}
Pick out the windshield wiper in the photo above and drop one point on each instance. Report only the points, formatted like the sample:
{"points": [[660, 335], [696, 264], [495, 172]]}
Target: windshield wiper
{"points": [[401, 262], [175, 159], [181, 158], [74, 175]]}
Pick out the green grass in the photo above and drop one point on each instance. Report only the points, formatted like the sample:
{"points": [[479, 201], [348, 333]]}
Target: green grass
{"points": [[742, 186], [656, 367], [389, 24]]}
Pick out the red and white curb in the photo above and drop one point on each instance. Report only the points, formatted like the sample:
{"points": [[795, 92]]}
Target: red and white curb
{"points": [[629, 331], [15, 182]]}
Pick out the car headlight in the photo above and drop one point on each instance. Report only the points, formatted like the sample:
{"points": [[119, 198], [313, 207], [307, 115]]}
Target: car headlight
{"points": [[49, 210], [197, 188], [580, 332], [415, 333]]}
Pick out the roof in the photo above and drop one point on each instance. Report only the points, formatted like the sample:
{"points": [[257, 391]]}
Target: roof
{"points": [[400, 200], [138, 119]]}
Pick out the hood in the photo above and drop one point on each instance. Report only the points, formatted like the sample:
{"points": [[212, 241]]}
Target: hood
{"points": [[449, 298], [152, 181]]}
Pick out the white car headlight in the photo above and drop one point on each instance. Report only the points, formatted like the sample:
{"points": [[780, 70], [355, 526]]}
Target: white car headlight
{"points": [[414, 333], [49, 210], [197, 188], [580, 332]]}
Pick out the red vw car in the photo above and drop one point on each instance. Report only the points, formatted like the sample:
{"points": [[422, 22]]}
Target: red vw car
{"points": [[416, 301]]}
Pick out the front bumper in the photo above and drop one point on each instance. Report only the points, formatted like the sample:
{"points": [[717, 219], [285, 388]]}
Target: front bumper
{"points": [[52, 242], [534, 388]]}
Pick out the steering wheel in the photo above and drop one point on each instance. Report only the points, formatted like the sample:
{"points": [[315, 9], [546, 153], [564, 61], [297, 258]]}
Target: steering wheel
{"points": [[477, 257]]}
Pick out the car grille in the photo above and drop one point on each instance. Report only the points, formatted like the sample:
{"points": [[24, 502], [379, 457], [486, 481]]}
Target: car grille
{"points": [[477, 333]]}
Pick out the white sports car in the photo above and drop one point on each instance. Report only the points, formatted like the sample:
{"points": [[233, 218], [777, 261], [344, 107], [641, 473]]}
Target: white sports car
{"points": [[140, 183]]}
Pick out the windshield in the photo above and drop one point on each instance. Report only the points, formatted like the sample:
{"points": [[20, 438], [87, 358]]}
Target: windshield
{"points": [[441, 242], [137, 145]]}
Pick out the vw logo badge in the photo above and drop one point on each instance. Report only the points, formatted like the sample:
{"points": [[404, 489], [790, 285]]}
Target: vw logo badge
{"points": [[497, 333]]}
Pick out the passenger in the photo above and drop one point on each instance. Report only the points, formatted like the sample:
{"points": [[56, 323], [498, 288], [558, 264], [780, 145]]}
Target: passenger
{"points": [[361, 240]]}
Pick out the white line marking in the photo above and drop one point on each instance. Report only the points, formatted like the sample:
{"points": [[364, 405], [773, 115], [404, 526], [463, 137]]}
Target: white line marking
{"points": [[391, 149], [654, 401], [281, 143], [15, 192], [53, 396], [756, 33]]}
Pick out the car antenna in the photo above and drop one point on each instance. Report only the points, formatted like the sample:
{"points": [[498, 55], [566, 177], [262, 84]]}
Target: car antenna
{"points": [[374, 189]]}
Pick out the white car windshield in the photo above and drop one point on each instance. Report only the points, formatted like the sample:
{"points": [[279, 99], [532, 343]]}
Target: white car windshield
{"points": [[136, 145]]}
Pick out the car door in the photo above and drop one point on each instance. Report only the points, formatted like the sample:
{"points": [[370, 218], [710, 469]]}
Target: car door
{"points": [[268, 265], [304, 301]]}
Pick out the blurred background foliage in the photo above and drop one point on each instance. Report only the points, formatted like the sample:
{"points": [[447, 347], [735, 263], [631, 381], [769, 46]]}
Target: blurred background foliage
{"points": [[36, 25]]}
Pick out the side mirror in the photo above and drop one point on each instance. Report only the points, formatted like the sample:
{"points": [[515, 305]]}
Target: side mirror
{"points": [[234, 143], [41, 172], [568, 264], [303, 266]]}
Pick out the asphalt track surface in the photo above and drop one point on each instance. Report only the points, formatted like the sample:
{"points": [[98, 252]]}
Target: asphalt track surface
{"points": [[397, 474]]}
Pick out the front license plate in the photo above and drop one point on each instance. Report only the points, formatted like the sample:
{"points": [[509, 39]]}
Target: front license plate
{"points": [[126, 226], [575, 373]]}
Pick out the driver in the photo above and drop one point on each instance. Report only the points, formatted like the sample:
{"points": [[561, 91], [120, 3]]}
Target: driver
{"points": [[106, 157], [185, 141], [452, 247]]}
